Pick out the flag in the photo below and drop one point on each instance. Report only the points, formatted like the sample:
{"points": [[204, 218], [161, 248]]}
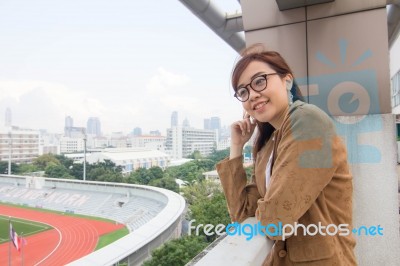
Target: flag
{"points": [[14, 237], [22, 241]]}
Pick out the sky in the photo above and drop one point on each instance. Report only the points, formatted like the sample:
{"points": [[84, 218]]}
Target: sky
{"points": [[129, 63]]}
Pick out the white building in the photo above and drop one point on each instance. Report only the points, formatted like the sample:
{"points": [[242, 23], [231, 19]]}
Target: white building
{"points": [[131, 159], [183, 141], [49, 143], [22, 143], [148, 141], [70, 145]]}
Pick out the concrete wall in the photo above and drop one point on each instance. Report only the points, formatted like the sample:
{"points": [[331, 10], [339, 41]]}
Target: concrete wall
{"points": [[340, 57]]}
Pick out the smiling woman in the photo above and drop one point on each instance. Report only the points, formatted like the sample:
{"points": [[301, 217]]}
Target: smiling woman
{"points": [[301, 174]]}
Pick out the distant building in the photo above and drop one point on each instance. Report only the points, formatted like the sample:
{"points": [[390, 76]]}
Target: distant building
{"points": [[93, 126], [186, 123], [155, 133], [183, 141], [174, 119], [224, 143], [71, 131], [213, 123], [137, 131], [69, 122], [8, 120], [70, 145], [22, 143], [131, 159], [49, 143], [212, 176], [147, 141]]}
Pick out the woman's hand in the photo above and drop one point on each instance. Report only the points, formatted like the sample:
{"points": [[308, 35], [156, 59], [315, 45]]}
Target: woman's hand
{"points": [[241, 132]]}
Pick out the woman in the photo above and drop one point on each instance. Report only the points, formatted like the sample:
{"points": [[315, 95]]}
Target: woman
{"points": [[301, 175]]}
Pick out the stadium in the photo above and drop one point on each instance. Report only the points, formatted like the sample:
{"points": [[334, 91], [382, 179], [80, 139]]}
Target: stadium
{"points": [[152, 215]]}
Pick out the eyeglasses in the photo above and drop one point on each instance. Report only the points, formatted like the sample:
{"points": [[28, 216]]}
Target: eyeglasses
{"points": [[258, 84]]}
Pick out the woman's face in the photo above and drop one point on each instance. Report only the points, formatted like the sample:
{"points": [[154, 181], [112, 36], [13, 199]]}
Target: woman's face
{"points": [[269, 104]]}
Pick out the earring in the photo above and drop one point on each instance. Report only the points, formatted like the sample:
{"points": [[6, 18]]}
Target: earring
{"points": [[289, 84]]}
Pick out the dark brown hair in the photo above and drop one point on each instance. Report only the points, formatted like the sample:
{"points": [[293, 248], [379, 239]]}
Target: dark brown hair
{"points": [[257, 52]]}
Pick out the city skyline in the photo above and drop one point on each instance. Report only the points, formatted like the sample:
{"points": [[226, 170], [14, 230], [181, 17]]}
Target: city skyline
{"points": [[131, 68]]}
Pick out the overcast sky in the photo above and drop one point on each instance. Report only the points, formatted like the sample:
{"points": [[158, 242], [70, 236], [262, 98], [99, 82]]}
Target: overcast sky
{"points": [[129, 62]]}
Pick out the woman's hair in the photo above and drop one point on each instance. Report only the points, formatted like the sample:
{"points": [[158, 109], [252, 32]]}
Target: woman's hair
{"points": [[257, 52]]}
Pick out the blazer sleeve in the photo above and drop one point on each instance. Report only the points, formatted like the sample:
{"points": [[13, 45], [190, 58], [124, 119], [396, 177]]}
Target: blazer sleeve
{"points": [[304, 165], [241, 198]]}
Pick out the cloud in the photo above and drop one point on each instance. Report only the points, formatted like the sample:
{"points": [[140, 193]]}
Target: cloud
{"points": [[165, 82], [40, 104]]}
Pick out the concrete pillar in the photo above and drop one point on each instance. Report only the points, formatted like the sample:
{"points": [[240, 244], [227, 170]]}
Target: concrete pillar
{"points": [[339, 54]]}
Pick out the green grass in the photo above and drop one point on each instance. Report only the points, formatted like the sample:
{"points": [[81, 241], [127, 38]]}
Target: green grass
{"points": [[22, 227], [107, 239]]}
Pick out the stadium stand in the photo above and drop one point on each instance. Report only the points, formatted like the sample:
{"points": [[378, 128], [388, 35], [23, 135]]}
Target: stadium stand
{"points": [[152, 215]]}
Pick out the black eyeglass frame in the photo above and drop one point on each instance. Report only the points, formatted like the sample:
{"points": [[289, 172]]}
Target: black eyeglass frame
{"points": [[265, 76]]}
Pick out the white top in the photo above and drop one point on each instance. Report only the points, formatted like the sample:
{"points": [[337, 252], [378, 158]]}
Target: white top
{"points": [[268, 171]]}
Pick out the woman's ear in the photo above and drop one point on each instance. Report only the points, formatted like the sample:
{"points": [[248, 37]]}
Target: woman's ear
{"points": [[289, 84]]}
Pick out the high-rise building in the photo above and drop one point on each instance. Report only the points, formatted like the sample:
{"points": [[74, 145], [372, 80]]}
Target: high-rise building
{"points": [[213, 123], [69, 122], [186, 123], [94, 126], [207, 123], [8, 121], [137, 131], [174, 119], [68, 125], [183, 141]]}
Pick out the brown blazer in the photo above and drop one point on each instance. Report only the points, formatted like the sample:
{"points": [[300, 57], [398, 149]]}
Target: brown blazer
{"points": [[310, 183]]}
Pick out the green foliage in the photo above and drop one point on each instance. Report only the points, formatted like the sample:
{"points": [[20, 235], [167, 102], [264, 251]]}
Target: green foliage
{"points": [[4, 168], [207, 204], [191, 171], [195, 155], [26, 168], [57, 171], [249, 172], [177, 252], [217, 156], [44, 160], [166, 182]]}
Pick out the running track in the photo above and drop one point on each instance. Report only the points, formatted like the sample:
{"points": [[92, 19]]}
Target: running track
{"points": [[71, 238]]}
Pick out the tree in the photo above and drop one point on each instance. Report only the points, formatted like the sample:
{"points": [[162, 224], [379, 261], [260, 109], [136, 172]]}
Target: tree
{"points": [[207, 204], [57, 171], [195, 155], [217, 156], [166, 182], [44, 160], [4, 167], [26, 168], [177, 252]]}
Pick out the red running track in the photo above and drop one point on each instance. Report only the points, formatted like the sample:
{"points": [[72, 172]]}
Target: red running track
{"points": [[71, 238]]}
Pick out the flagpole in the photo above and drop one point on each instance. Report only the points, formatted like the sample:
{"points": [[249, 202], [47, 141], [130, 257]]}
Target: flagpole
{"points": [[9, 242], [22, 247]]}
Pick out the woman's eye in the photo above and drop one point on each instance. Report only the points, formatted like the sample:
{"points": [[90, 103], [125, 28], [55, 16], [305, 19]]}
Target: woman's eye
{"points": [[260, 81], [241, 91]]}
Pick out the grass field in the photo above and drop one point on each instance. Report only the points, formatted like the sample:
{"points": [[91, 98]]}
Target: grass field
{"points": [[107, 239], [22, 227]]}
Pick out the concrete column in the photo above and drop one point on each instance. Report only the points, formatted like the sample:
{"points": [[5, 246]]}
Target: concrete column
{"points": [[339, 54]]}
